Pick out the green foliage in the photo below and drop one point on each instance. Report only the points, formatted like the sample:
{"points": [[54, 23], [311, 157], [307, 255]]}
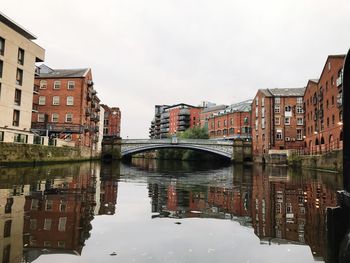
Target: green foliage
{"points": [[194, 133]]}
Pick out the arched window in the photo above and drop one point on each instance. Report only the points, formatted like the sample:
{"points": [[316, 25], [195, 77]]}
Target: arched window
{"points": [[322, 140], [316, 142], [231, 130]]}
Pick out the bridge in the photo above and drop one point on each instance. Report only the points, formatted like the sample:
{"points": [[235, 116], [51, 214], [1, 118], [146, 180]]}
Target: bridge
{"points": [[116, 148]]}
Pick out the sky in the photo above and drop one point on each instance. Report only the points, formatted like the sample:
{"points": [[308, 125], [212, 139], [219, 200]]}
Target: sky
{"points": [[144, 53]]}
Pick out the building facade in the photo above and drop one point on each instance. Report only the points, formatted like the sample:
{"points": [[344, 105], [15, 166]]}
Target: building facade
{"points": [[18, 55], [323, 108], [208, 112], [111, 120], [278, 119], [231, 123], [67, 107], [170, 120]]}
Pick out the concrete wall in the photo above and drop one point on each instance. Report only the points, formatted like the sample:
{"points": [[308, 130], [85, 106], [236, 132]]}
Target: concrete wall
{"points": [[28, 153]]}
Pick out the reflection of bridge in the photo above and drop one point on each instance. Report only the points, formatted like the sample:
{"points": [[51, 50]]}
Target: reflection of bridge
{"points": [[238, 150]]}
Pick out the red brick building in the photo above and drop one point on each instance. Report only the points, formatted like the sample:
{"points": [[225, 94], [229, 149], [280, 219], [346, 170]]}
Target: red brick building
{"points": [[231, 123], [67, 106], [278, 120], [323, 108], [111, 121], [208, 112]]}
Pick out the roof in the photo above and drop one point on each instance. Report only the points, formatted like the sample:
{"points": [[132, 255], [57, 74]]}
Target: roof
{"points": [[214, 108], [16, 27], [181, 105], [46, 72], [283, 92]]}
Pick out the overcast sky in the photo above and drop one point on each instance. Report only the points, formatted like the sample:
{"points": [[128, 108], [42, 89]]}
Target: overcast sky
{"points": [[147, 52]]}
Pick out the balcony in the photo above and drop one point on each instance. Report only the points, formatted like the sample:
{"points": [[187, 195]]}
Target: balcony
{"points": [[340, 100], [339, 81], [89, 96], [35, 107], [90, 83], [181, 128], [184, 118], [165, 115], [314, 100], [88, 112], [320, 96], [93, 92], [36, 89], [165, 125], [37, 71], [183, 123], [58, 127], [185, 112], [97, 129]]}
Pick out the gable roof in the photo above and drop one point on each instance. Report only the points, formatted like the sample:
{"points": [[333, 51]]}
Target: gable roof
{"points": [[47, 72], [283, 92]]}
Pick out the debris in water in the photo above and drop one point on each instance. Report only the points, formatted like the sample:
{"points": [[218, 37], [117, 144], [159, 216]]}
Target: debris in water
{"points": [[113, 254], [178, 223]]}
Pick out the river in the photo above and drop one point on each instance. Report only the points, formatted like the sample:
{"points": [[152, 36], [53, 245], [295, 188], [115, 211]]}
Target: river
{"points": [[165, 211]]}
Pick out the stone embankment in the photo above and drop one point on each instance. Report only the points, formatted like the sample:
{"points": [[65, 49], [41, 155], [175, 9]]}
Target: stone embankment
{"points": [[13, 154]]}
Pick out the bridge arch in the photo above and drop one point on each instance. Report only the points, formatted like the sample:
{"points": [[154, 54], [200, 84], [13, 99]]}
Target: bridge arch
{"points": [[147, 148]]}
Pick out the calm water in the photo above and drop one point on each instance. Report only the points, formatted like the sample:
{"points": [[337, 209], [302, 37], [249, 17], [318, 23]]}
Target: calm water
{"points": [[163, 212]]}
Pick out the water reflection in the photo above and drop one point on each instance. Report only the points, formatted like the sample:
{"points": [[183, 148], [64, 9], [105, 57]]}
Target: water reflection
{"points": [[51, 210]]}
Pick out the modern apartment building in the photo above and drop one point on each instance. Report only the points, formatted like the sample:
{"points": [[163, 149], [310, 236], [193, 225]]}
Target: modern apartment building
{"points": [[323, 108], [111, 120], [231, 123], [18, 55], [170, 120], [66, 106], [278, 119]]}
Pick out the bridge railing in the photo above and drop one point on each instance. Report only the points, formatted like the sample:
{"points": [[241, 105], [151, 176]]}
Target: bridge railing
{"points": [[179, 141]]}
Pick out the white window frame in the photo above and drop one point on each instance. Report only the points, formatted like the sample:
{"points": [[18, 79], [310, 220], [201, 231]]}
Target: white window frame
{"points": [[300, 135], [71, 117], [41, 117], [300, 100], [57, 84], [287, 120], [277, 122], [56, 100], [299, 109], [277, 100], [42, 100], [62, 221], [71, 85], [70, 100], [300, 121], [54, 117], [43, 84], [279, 136], [277, 109], [47, 224]]}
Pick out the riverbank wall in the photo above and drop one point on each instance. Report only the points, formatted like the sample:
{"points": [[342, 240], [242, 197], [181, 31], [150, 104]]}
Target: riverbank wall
{"points": [[331, 161], [12, 154]]}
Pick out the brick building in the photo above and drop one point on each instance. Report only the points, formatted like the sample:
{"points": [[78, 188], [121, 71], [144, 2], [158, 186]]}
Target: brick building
{"points": [[232, 122], [169, 120], [111, 120], [323, 108], [278, 120], [67, 107], [208, 112], [18, 55]]}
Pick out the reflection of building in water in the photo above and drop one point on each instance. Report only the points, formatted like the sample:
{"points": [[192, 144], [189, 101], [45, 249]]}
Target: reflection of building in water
{"points": [[292, 210], [172, 200], [11, 223], [58, 213]]}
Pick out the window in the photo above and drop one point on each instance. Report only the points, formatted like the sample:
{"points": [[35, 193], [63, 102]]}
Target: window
{"points": [[287, 120], [231, 121], [7, 228], [327, 122], [15, 119], [43, 84], [35, 204], [41, 117], [20, 56], [42, 100], [71, 84], [299, 134], [61, 244], [300, 121], [279, 136], [333, 119], [70, 100], [57, 84], [332, 81], [277, 100], [262, 102], [19, 77], [332, 100], [218, 124], [63, 206], [47, 243], [256, 124], [277, 108], [2, 46], [225, 123], [300, 100], [256, 112], [56, 100], [8, 206], [277, 121], [263, 123], [262, 112], [47, 224], [288, 108], [62, 224], [1, 66], [18, 95], [54, 117], [69, 117], [33, 224], [48, 205], [300, 109], [257, 101]]}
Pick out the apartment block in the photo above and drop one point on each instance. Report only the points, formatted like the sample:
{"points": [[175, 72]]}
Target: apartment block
{"points": [[323, 108], [231, 123], [18, 55], [67, 107], [111, 120], [278, 119], [170, 120]]}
